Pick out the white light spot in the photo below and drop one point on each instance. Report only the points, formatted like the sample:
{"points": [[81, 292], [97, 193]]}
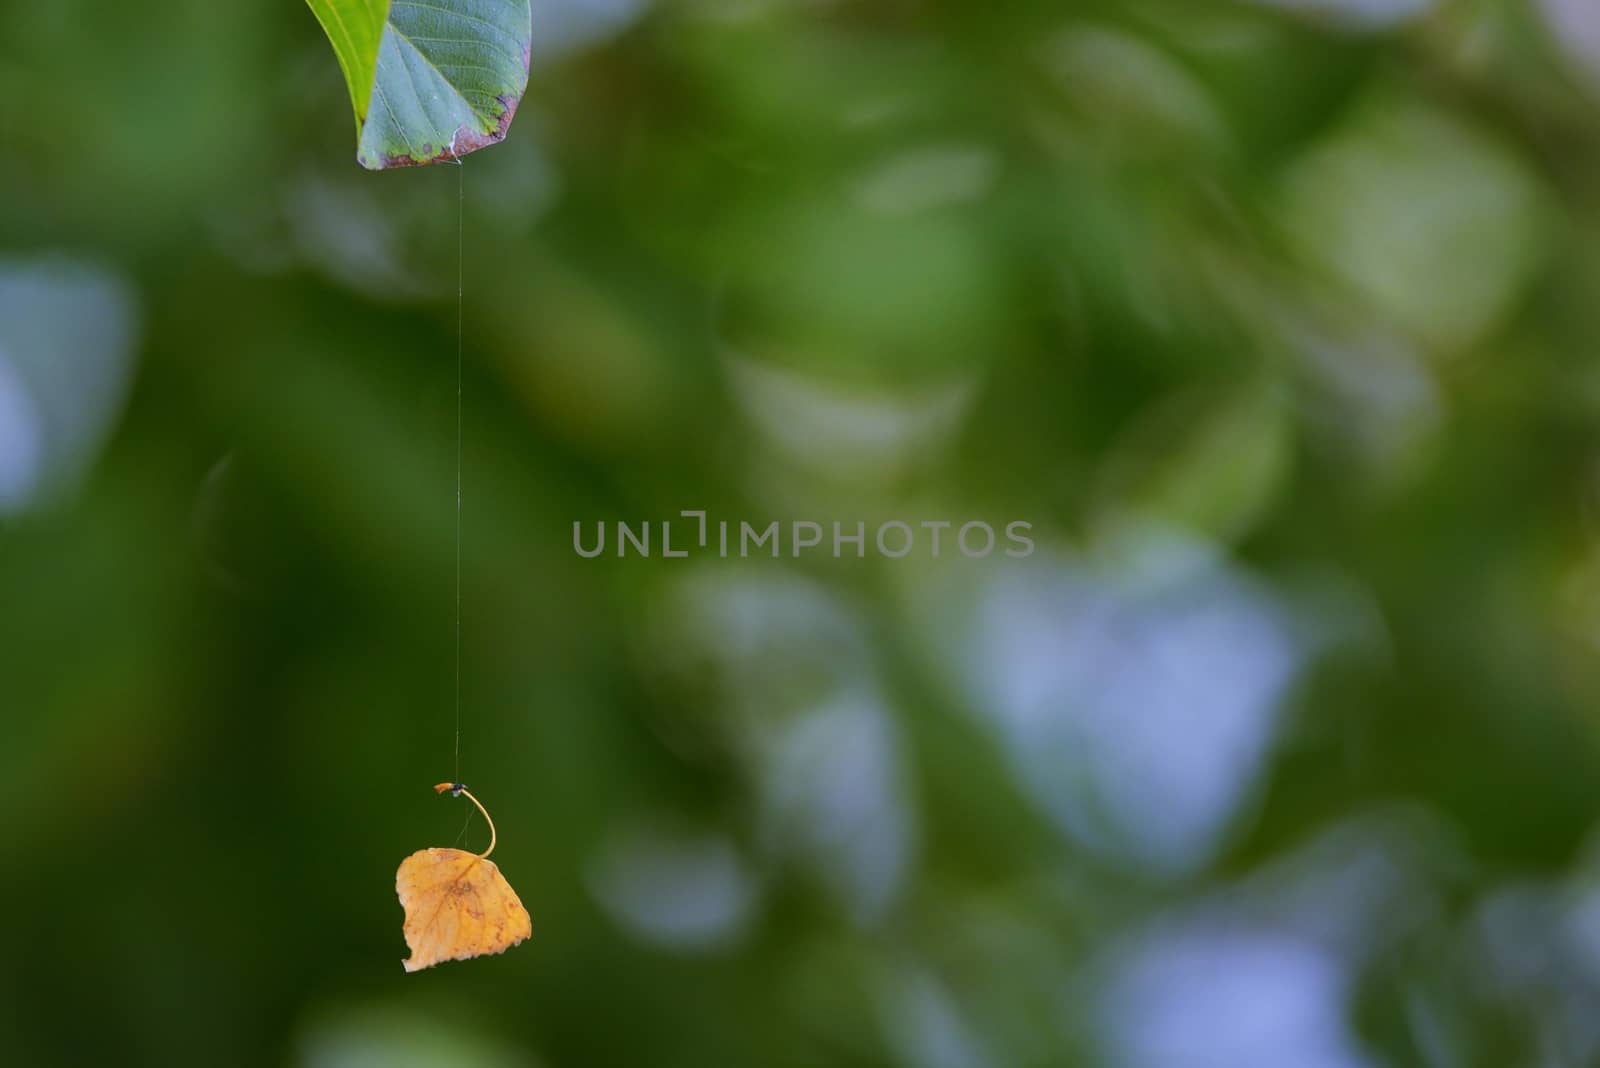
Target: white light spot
{"points": [[680, 890], [1219, 999], [21, 447]]}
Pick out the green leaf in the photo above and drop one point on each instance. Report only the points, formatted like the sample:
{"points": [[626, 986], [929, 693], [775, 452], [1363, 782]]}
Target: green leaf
{"points": [[431, 80], [1213, 464]]}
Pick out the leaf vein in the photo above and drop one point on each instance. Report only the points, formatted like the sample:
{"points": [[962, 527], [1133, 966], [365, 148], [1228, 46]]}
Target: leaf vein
{"points": [[442, 75], [470, 43], [509, 35]]}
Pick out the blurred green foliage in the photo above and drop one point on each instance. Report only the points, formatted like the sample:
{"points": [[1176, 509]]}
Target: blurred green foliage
{"points": [[1275, 320]]}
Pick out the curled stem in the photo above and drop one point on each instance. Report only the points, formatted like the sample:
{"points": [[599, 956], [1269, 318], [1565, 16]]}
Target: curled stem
{"points": [[458, 789]]}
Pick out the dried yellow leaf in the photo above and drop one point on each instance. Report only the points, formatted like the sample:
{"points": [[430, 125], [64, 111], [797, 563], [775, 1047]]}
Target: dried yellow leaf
{"points": [[457, 904]]}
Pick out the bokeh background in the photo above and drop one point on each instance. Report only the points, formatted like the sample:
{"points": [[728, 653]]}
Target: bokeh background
{"points": [[1277, 319]]}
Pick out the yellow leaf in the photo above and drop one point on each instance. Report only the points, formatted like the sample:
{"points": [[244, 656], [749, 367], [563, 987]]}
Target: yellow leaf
{"points": [[457, 904]]}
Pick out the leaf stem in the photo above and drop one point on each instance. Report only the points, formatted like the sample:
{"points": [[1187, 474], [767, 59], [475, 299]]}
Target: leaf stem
{"points": [[457, 789]]}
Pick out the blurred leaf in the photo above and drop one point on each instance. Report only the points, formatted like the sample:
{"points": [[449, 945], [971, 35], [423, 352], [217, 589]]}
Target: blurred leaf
{"points": [[1434, 222], [1132, 98], [1210, 466], [404, 1037], [868, 296], [429, 82]]}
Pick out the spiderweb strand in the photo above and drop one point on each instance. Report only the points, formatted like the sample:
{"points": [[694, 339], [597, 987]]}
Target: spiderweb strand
{"points": [[461, 273]]}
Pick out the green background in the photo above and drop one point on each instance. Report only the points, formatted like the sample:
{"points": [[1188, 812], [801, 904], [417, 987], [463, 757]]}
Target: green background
{"points": [[1278, 325]]}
